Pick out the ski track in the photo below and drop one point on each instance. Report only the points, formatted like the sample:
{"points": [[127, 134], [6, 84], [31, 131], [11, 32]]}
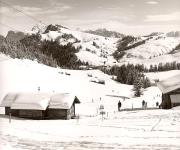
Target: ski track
{"points": [[143, 129]]}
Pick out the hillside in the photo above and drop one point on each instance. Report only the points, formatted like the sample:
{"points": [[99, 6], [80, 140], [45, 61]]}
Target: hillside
{"points": [[97, 48], [87, 85], [29, 75], [94, 49], [152, 49], [117, 130]]}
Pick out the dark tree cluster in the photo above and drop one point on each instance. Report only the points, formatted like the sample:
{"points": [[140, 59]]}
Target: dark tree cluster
{"points": [[164, 67], [128, 74], [153, 68], [46, 52], [51, 28], [132, 75], [19, 49], [124, 44], [63, 54]]}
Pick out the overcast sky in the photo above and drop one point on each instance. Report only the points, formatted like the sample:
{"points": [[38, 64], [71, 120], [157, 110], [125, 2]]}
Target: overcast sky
{"points": [[125, 16]]}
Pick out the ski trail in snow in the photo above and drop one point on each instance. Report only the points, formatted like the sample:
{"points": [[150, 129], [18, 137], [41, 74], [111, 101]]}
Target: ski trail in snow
{"points": [[156, 124]]}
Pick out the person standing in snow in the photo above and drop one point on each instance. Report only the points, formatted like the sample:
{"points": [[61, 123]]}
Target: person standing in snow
{"points": [[119, 105], [157, 104], [143, 104]]}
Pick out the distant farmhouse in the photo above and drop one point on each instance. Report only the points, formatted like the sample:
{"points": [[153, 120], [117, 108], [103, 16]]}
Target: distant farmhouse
{"points": [[40, 105], [171, 92]]}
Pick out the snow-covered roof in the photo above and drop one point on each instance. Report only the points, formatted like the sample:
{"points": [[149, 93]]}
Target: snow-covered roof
{"points": [[169, 84], [63, 101], [37, 101], [8, 100]]}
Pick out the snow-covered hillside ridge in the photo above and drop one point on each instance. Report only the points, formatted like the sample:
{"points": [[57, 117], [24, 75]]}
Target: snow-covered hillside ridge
{"points": [[158, 45], [154, 49], [101, 50], [94, 49]]}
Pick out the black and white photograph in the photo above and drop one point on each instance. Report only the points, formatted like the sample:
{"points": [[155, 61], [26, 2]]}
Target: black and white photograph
{"points": [[89, 74]]}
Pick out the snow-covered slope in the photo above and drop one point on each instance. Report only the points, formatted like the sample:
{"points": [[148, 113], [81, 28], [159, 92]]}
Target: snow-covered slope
{"points": [[118, 130], [25, 75], [155, 50], [28, 76], [154, 47], [94, 49], [97, 50]]}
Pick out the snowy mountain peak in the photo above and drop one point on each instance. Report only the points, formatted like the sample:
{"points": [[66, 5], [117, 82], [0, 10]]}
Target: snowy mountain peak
{"points": [[93, 49], [39, 28], [52, 27]]}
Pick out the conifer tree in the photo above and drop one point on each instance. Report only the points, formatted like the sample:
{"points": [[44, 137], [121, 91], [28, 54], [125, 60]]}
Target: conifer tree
{"points": [[137, 87], [146, 83]]}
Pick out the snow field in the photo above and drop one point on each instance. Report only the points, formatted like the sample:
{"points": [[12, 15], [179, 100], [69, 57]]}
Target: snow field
{"points": [[137, 129], [150, 129], [28, 76]]}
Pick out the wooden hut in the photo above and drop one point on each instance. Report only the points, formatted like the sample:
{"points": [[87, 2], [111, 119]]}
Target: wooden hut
{"points": [[62, 106], [171, 92], [26, 105], [30, 105], [40, 105]]}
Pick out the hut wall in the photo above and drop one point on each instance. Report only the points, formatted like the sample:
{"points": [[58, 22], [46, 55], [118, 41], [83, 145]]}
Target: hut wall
{"points": [[57, 113], [166, 100], [14, 112], [7, 110], [32, 114], [176, 92]]}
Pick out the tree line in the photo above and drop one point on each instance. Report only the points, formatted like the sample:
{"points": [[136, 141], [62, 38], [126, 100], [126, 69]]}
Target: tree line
{"points": [[50, 53], [132, 75]]}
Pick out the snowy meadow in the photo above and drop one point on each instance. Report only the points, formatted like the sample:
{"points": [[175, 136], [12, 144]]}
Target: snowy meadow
{"points": [[140, 130], [132, 129]]}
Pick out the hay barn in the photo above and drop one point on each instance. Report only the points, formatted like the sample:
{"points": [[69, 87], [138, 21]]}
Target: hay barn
{"points": [[171, 92], [40, 105], [62, 106]]}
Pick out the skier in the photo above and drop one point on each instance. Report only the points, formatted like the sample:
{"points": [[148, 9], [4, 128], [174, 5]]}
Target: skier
{"points": [[119, 105], [143, 104], [157, 104]]}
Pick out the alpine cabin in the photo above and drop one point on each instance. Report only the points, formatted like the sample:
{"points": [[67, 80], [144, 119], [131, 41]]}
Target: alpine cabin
{"points": [[40, 105], [170, 92]]}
